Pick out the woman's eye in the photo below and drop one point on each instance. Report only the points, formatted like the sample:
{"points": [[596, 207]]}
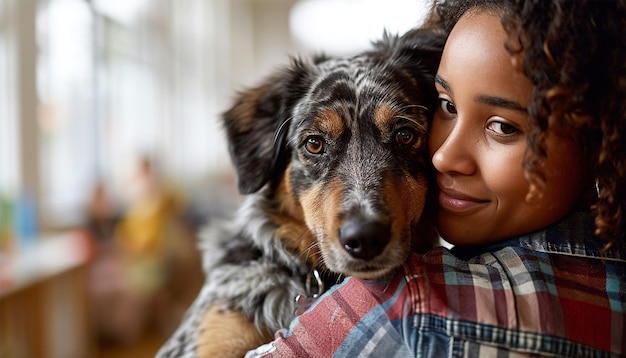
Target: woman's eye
{"points": [[446, 106], [314, 145], [405, 136], [502, 129]]}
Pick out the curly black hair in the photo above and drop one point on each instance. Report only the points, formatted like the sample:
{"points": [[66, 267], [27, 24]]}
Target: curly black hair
{"points": [[574, 53]]}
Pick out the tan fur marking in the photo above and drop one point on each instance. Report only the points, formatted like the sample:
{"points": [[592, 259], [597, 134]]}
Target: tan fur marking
{"points": [[330, 123], [321, 204], [226, 333], [292, 229], [383, 115], [285, 196], [406, 198]]}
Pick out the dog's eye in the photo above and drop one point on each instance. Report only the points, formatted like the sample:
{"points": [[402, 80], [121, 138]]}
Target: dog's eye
{"points": [[314, 145], [405, 136]]}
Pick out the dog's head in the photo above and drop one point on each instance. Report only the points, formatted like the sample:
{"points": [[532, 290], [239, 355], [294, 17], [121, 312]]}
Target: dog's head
{"points": [[339, 146]]}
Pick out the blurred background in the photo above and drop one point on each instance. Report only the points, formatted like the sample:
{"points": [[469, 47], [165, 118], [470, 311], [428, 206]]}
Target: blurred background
{"points": [[112, 155]]}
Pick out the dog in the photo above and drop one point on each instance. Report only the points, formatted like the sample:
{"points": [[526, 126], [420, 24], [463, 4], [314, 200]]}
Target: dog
{"points": [[331, 155]]}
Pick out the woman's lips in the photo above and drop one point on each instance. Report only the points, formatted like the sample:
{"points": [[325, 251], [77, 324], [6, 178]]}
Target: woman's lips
{"points": [[458, 202]]}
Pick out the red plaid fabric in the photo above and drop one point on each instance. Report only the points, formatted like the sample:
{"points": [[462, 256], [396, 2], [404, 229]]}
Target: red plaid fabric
{"points": [[549, 293]]}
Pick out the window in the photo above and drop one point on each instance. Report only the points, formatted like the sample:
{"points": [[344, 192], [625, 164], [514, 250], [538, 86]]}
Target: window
{"points": [[112, 80], [8, 139], [65, 86]]}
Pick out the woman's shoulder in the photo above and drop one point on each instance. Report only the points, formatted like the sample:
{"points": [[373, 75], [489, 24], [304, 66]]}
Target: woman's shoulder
{"points": [[523, 287]]}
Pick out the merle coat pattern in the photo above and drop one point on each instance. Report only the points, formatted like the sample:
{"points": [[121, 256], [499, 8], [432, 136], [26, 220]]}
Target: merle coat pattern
{"points": [[331, 154]]}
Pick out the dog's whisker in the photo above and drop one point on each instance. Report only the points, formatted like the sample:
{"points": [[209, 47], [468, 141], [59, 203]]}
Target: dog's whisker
{"points": [[320, 263], [416, 106], [292, 141], [281, 128], [339, 278], [306, 253], [312, 245], [421, 126], [300, 123], [308, 250]]}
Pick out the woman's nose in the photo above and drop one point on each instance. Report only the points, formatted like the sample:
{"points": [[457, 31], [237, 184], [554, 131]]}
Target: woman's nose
{"points": [[455, 153]]}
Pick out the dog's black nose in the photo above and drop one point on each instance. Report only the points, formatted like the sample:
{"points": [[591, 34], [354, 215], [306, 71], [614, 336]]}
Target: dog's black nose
{"points": [[364, 239]]}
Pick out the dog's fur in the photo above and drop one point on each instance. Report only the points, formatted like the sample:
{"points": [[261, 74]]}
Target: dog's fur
{"points": [[332, 156]]}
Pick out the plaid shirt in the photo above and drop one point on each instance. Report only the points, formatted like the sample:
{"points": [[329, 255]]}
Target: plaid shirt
{"points": [[548, 293]]}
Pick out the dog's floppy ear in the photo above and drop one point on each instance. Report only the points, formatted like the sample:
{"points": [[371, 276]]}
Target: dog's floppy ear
{"points": [[256, 125]]}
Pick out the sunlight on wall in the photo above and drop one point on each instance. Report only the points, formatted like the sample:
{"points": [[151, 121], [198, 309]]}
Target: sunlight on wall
{"points": [[346, 26], [124, 11]]}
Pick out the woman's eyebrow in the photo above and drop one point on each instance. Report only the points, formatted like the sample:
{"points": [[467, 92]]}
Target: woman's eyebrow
{"points": [[439, 80], [501, 102], [488, 100]]}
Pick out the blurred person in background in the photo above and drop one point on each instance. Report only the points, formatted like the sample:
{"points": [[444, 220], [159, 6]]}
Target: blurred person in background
{"points": [[137, 276], [102, 214], [143, 232]]}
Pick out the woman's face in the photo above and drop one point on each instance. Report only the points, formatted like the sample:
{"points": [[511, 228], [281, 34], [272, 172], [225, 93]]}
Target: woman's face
{"points": [[478, 141]]}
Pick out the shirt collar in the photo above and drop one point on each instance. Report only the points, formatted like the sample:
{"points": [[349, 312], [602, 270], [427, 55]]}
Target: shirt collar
{"points": [[571, 236]]}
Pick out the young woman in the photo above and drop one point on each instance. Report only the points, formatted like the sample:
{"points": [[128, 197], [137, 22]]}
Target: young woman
{"points": [[528, 149]]}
